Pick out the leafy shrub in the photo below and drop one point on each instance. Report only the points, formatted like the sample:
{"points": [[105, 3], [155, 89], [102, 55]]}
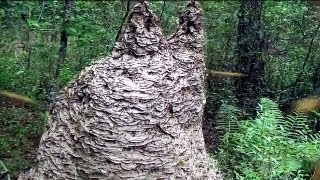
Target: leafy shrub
{"points": [[268, 148]]}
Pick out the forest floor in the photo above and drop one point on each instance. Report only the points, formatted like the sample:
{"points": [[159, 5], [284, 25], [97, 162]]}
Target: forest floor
{"points": [[20, 132], [210, 133]]}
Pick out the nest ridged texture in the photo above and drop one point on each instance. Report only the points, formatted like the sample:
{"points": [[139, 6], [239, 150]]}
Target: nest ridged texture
{"points": [[136, 114]]}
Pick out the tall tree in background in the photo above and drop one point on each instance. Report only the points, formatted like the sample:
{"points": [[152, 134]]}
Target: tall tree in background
{"points": [[68, 6], [249, 47], [315, 79]]}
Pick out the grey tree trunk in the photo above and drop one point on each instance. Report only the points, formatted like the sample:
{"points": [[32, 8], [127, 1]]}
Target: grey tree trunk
{"points": [[136, 114]]}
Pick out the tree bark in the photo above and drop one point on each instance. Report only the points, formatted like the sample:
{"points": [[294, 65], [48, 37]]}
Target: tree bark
{"points": [[249, 47], [68, 5], [136, 114], [315, 80]]}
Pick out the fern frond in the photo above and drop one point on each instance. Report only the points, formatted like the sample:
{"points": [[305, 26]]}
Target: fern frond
{"points": [[296, 126], [227, 119], [314, 137]]}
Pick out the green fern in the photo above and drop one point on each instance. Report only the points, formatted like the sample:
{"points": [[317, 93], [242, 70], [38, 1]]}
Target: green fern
{"points": [[296, 126], [227, 119], [269, 147]]}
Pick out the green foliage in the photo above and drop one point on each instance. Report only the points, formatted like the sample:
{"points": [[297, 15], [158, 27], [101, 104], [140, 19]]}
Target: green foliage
{"points": [[167, 13], [19, 135], [227, 119], [267, 148], [220, 19], [289, 29], [66, 75]]}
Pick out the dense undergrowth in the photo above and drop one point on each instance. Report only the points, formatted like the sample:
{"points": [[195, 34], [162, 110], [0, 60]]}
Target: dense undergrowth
{"points": [[268, 147], [21, 129]]}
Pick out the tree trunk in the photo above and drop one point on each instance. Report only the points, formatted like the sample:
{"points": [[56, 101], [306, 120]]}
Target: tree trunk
{"points": [[136, 114], [315, 80], [68, 4], [249, 47]]}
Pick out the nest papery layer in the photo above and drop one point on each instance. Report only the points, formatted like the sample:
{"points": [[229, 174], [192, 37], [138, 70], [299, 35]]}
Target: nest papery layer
{"points": [[136, 114]]}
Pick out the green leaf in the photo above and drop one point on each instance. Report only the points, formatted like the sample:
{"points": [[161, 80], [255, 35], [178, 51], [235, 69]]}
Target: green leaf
{"points": [[2, 13], [290, 165], [72, 31], [33, 23], [19, 72]]}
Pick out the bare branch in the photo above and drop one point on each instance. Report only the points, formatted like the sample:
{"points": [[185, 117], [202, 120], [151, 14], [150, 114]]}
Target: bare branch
{"points": [[123, 21], [299, 77]]}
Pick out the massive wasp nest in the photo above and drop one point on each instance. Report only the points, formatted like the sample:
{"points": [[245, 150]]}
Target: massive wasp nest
{"points": [[136, 114]]}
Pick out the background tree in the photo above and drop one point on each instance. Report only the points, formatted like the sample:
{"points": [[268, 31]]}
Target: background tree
{"points": [[68, 6], [250, 88]]}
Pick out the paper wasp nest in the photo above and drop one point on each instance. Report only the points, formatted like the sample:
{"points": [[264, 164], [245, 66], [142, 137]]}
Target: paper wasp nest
{"points": [[136, 114]]}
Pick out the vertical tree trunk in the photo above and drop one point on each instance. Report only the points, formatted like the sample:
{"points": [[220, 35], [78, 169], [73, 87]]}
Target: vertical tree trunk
{"points": [[68, 5], [25, 17], [249, 47], [316, 79], [29, 49]]}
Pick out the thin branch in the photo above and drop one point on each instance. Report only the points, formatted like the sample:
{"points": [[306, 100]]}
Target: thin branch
{"points": [[163, 7], [123, 5], [298, 79], [42, 8], [123, 21]]}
